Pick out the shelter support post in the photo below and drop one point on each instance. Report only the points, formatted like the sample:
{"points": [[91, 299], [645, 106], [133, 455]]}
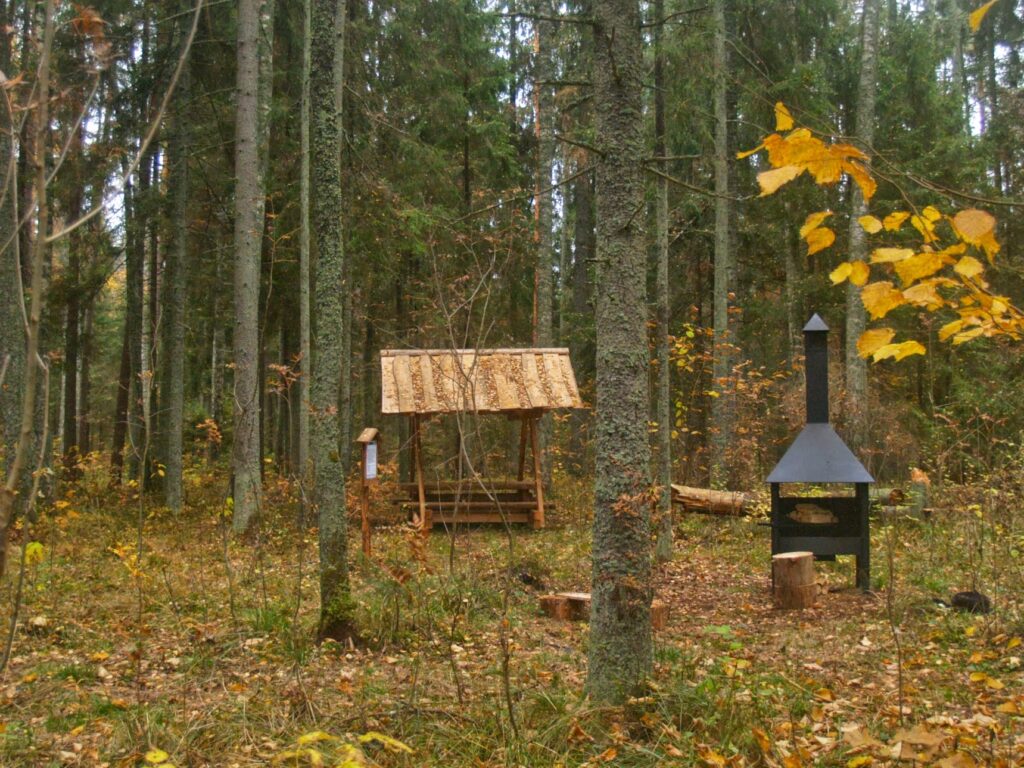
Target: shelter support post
{"points": [[537, 518], [523, 435], [864, 548], [425, 522]]}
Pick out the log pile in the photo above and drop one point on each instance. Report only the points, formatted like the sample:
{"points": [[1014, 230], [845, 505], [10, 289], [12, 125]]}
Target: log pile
{"points": [[708, 501]]}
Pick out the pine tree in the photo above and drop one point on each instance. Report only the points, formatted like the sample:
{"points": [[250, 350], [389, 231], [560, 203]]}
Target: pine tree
{"points": [[620, 631]]}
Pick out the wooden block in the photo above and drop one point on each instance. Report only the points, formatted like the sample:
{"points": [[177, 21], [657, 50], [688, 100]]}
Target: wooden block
{"points": [[555, 607], [793, 580], [579, 605], [659, 614]]}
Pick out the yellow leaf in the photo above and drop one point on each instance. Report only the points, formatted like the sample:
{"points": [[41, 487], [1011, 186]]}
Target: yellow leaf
{"points": [[763, 741], [890, 255], [894, 221], [995, 683], [313, 737], [970, 631], [770, 181], [881, 298], [813, 221], [1014, 642], [33, 553], [973, 225], [898, 351], [873, 339], [783, 120], [749, 152], [393, 744], [925, 294], [841, 273], [860, 273], [978, 16], [870, 224], [969, 267], [824, 694], [155, 756], [978, 677], [819, 239], [1008, 708], [863, 178], [931, 213], [918, 266], [859, 761], [961, 338], [925, 227]]}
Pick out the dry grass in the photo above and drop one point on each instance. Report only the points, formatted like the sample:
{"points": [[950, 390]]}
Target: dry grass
{"points": [[114, 657]]}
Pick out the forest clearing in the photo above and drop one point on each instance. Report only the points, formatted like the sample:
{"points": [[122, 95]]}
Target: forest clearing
{"points": [[521, 383], [222, 669]]}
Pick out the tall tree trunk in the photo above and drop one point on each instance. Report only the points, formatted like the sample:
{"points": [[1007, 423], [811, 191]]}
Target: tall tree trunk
{"points": [[174, 294], [856, 366], [345, 393], [544, 128], [12, 326], [135, 282], [254, 27], [721, 404], [794, 299], [620, 622], [19, 462], [121, 411], [663, 415], [72, 284], [85, 374], [302, 400], [336, 607], [581, 347]]}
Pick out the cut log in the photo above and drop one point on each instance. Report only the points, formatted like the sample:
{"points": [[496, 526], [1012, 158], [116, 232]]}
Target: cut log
{"points": [[659, 614], [575, 606], [712, 502], [793, 580], [567, 606]]}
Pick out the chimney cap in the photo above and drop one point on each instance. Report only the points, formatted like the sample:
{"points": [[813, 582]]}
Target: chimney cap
{"points": [[815, 324]]}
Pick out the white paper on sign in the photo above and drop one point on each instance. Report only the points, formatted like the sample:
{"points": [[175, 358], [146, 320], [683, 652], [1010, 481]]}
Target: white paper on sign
{"points": [[371, 461]]}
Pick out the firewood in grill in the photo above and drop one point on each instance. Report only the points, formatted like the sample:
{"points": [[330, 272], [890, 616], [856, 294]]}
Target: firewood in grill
{"points": [[812, 514]]}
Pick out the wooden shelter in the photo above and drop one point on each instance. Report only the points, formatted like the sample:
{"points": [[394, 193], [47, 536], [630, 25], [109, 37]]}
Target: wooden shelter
{"points": [[521, 384]]}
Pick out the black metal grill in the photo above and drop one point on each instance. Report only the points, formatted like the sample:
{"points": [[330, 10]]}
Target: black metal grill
{"points": [[825, 525]]}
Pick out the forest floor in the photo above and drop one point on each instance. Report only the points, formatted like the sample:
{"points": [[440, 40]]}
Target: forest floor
{"points": [[201, 652]]}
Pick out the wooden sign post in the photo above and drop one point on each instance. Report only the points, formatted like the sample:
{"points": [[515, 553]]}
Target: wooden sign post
{"points": [[367, 475]]}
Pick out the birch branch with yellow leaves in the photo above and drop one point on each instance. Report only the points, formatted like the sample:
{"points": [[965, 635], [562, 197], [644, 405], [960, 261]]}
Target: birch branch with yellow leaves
{"points": [[927, 259]]}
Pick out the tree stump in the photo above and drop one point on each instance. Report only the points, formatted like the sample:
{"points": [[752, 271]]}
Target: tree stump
{"points": [[793, 580]]}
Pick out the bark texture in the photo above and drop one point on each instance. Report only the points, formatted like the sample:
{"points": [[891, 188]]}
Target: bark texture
{"points": [[301, 407], [329, 366], [254, 25], [663, 414], [175, 270], [856, 366], [721, 406], [620, 628]]}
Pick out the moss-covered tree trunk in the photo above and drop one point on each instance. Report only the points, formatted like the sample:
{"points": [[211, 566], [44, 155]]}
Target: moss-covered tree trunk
{"points": [[329, 364], [620, 628]]}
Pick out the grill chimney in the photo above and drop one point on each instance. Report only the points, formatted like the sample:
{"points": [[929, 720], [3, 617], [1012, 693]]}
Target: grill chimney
{"points": [[816, 369]]}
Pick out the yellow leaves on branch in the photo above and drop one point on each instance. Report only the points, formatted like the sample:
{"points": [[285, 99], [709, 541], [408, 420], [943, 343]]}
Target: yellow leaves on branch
{"points": [[936, 273], [978, 15], [799, 151], [857, 272], [818, 237]]}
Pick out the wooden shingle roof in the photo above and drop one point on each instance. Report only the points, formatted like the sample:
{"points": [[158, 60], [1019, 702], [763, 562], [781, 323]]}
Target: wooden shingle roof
{"points": [[476, 380]]}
